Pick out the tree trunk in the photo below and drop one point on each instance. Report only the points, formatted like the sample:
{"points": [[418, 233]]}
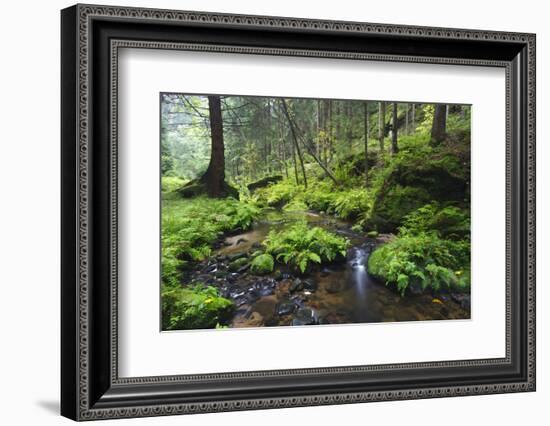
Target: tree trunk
{"points": [[214, 177], [394, 148], [297, 132], [330, 135], [381, 124], [439, 125], [338, 115], [413, 117], [366, 129], [407, 119], [349, 128], [295, 164], [294, 137], [269, 148], [326, 108], [283, 145], [319, 126]]}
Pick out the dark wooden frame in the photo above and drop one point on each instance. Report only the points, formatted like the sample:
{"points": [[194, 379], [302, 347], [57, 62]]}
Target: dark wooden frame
{"points": [[90, 386]]}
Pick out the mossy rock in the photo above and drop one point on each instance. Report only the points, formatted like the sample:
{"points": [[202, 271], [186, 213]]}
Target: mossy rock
{"points": [[196, 188], [262, 264], [413, 182], [238, 264], [356, 163], [262, 183], [396, 203]]}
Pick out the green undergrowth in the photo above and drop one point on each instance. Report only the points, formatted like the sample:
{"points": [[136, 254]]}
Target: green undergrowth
{"points": [[430, 252], [190, 226], [412, 179], [196, 307], [321, 195], [171, 183], [299, 246]]}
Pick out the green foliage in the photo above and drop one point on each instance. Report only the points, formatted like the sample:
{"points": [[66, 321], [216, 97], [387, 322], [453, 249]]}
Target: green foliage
{"points": [[196, 307], [397, 201], [171, 183], [277, 194], [412, 179], [424, 260], [262, 264], [425, 125], [431, 251], [295, 205], [350, 204], [190, 226], [448, 222], [320, 196], [300, 245]]}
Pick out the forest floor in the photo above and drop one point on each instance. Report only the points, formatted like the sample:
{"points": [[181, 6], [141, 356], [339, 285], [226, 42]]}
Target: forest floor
{"points": [[336, 291], [339, 292]]}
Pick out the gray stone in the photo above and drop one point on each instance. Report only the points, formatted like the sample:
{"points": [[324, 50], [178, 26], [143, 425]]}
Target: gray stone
{"points": [[304, 316], [296, 285], [286, 308], [309, 284], [237, 264]]}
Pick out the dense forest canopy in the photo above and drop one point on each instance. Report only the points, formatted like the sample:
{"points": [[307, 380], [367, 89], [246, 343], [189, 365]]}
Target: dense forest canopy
{"points": [[396, 173], [259, 135]]}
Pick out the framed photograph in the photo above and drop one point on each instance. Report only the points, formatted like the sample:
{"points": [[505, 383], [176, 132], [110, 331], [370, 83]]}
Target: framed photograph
{"points": [[263, 212]]}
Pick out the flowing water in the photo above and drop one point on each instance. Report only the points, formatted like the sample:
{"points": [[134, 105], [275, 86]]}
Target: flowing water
{"points": [[338, 293]]}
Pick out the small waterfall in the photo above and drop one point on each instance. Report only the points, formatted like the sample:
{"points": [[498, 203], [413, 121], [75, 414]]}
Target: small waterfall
{"points": [[358, 281], [358, 265]]}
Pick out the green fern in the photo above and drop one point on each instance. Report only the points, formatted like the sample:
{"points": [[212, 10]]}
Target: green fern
{"points": [[300, 245]]}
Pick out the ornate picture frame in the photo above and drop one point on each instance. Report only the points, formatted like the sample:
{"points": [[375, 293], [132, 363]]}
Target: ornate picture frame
{"points": [[90, 38]]}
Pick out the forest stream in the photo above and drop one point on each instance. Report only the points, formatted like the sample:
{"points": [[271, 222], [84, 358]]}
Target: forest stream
{"points": [[336, 293]]}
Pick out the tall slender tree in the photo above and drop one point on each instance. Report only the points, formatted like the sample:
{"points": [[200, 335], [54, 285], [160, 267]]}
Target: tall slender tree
{"points": [[295, 139], [394, 147], [381, 124], [407, 119], [366, 137], [349, 123]]}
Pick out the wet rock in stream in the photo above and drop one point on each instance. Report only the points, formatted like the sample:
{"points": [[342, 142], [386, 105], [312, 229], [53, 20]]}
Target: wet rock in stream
{"points": [[266, 307], [255, 319], [211, 268], [234, 292], [296, 285], [236, 256], [232, 277], [238, 264], [240, 301], [286, 308], [221, 274], [304, 316], [265, 287], [462, 299], [309, 285]]}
